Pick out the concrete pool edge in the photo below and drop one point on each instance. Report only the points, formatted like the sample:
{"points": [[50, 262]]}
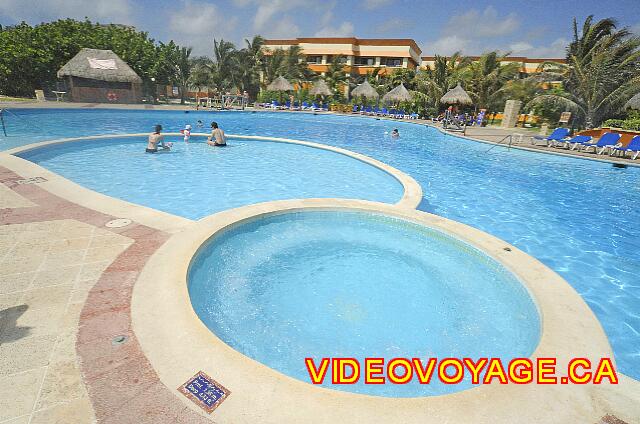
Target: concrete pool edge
{"points": [[412, 191], [160, 305]]}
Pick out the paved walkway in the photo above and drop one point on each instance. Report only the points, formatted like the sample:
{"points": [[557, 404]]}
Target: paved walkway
{"points": [[65, 291]]}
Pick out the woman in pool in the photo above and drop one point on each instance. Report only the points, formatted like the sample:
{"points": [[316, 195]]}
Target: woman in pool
{"points": [[156, 139], [395, 133], [217, 137]]}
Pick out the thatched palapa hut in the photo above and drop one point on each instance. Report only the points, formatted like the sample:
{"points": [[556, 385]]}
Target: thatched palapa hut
{"points": [[100, 76]]}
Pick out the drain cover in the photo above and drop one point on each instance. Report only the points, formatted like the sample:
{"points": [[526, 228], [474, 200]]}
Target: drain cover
{"points": [[118, 340], [118, 223]]}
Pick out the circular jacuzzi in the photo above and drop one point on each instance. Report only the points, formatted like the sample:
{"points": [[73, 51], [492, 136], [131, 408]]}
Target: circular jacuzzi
{"points": [[317, 284]]}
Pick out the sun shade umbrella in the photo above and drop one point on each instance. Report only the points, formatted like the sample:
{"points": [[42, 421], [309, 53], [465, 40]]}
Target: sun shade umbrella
{"points": [[365, 90], [398, 94], [280, 84], [633, 103], [456, 96], [320, 89]]}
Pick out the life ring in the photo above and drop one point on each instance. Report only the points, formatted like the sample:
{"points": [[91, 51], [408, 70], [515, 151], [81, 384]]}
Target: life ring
{"points": [[112, 97]]}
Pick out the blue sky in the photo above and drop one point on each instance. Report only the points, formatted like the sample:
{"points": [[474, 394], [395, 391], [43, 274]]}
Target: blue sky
{"points": [[535, 28]]}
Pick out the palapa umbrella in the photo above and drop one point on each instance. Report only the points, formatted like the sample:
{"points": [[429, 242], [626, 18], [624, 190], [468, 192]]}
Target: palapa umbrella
{"points": [[365, 90], [320, 88], [397, 95], [280, 84], [456, 96], [633, 103]]}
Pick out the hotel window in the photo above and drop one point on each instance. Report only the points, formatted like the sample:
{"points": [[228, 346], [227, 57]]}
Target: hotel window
{"points": [[365, 61], [314, 59], [343, 59], [393, 62]]}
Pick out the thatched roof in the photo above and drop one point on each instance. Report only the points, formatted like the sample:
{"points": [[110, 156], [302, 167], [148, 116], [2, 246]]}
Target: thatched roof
{"points": [[280, 84], [398, 94], [365, 90], [103, 65], [633, 103], [456, 96], [320, 88]]}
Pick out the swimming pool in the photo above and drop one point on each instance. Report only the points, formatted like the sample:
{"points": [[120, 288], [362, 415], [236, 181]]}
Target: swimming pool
{"points": [[355, 284], [579, 217], [194, 180]]}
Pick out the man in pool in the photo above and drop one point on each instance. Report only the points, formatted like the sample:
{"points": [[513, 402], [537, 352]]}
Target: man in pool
{"points": [[156, 139], [217, 137]]}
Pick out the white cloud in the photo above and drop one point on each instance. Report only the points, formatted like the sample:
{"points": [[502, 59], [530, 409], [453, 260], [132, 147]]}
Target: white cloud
{"points": [[375, 4], [450, 44], [393, 24], [196, 24], [557, 49], [282, 28], [447, 45], [344, 30], [269, 9], [487, 23], [36, 11]]}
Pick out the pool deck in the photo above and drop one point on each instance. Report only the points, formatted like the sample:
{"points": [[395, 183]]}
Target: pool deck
{"points": [[69, 273]]}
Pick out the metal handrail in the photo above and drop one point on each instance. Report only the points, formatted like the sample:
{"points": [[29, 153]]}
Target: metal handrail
{"points": [[508, 136]]}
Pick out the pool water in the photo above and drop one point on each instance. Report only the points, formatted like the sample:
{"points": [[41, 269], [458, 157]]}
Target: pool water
{"points": [[579, 217], [346, 284], [194, 180]]}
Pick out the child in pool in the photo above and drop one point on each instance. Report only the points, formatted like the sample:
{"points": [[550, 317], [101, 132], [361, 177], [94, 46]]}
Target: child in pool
{"points": [[186, 132]]}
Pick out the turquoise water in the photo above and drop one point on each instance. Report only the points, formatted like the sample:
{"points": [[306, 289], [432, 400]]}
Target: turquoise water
{"points": [[581, 218], [339, 284], [195, 180]]}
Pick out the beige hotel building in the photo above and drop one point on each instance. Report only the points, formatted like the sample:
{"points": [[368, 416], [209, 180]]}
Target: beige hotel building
{"points": [[365, 54]]}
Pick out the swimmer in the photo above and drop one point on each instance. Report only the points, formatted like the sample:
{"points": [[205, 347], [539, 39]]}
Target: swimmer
{"points": [[395, 133], [199, 124], [217, 137], [186, 132], [156, 139]]}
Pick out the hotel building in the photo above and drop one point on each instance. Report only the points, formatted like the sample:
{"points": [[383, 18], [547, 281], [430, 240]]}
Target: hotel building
{"points": [[360, 54], [528, 65]]}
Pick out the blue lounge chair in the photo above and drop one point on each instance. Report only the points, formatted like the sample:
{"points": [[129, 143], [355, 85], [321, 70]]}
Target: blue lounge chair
{"points": [[355, 109], [315, 106], [305, 105], [384, 111], [274, 104], [575, 141], [607, 140], [557, 135], [325, 107], [633, 146]]}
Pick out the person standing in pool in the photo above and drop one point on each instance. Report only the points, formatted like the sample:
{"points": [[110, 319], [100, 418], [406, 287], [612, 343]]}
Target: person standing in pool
{"points": [[156, 139], [217, 137]]}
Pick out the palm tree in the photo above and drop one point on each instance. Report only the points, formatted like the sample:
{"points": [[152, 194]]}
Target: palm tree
{"points": [[486, 76], [602, 72], [335, 76], [180, 66], [401, 76], [201, 73], [224, 53], [446, 73], [249, 64], [273, 65]]}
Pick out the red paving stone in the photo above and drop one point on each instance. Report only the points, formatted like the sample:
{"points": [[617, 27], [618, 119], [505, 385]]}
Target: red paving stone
{"points": [[122, 385]]}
